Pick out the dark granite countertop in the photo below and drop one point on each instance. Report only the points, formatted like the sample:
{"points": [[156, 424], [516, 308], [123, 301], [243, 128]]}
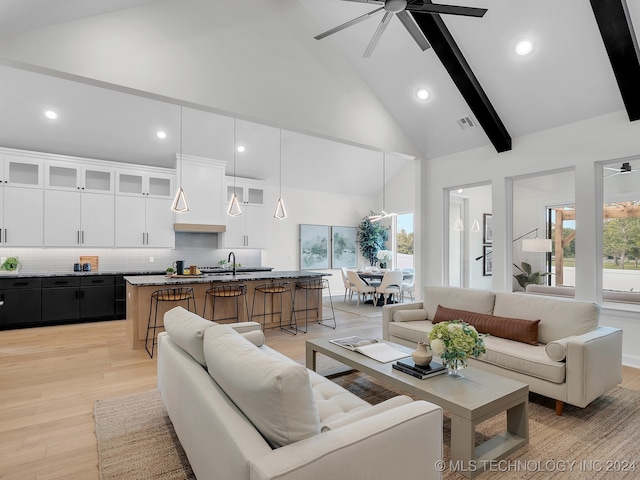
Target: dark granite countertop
{"points": [[142, 280]]}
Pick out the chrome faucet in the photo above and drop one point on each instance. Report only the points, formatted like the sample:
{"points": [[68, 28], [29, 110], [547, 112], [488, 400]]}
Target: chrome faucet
{"points": [[231, 254]]}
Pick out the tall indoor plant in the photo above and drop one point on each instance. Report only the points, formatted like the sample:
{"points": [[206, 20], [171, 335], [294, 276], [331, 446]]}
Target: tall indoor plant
{"points": [[371, 238]]}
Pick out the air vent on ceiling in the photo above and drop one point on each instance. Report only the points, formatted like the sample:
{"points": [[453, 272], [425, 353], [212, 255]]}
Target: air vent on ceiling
{"points": [[465, 122]]}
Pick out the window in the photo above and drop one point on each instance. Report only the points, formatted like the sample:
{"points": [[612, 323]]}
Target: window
{"points": [[621, 230], [403, 227]]}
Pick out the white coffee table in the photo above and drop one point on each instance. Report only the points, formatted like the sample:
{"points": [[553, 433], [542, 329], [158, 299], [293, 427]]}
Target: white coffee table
{"points": [[477, 397]]}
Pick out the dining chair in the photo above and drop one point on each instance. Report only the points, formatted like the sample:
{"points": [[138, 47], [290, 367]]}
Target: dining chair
{"points": [[391, 284], [408, 283], [359, 285], [347, 284]]}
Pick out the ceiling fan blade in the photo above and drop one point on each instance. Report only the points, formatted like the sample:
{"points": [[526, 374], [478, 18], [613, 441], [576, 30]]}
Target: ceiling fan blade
{"points": [[413, 30], [376, 36], [379, 2], [447, 9], [348, 24]]}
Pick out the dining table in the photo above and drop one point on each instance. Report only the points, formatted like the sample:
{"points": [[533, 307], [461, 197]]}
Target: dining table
{"points": [[374, 277]]}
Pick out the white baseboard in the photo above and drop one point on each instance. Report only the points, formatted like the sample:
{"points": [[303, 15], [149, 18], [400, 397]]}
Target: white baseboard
{"points": [[631, 361]]}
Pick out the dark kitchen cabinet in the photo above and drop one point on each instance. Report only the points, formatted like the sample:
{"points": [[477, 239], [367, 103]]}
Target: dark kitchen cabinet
{"points": [[66, 299], [20, 301]]}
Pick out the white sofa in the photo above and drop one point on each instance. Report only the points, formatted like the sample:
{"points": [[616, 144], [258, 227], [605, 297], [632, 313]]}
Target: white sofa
{"points": [[244, 411], [572, 360]]}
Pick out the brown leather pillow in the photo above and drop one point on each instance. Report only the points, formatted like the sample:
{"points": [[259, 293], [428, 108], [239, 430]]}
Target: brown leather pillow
{"points": [[517, 329]]}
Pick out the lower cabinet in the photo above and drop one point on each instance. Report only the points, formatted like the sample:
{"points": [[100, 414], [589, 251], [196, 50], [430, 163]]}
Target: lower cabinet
{"points": [[20, 301], [29, 302]]}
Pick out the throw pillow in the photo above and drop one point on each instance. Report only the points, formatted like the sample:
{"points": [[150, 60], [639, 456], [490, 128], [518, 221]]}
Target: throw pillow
{"points": [[517, 329], [274, 393], [557, 350], [409, 315]]}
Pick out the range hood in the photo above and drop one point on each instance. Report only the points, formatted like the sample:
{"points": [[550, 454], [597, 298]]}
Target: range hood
{"points": [[199, 228]]}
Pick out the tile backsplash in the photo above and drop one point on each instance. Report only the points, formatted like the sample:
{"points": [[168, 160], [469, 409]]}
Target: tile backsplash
{"points": [[193, 251]]}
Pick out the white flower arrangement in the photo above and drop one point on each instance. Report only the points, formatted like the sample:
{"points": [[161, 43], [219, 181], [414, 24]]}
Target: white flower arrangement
{"points": [[455, 341], [384, 255]]}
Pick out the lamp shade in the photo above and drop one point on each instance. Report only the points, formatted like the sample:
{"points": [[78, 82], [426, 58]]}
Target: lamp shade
{"points": [[536, 245]]}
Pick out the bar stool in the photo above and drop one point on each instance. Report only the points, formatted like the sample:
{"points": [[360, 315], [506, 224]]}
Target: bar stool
{"points": [[178, 294], [273, 290], [226, 292], [314, 287]]}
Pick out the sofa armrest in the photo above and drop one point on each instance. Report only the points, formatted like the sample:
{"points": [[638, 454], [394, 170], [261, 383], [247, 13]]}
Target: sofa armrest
{"points": [[594, 364], [407, 439], [244, 327], [389, 310]]}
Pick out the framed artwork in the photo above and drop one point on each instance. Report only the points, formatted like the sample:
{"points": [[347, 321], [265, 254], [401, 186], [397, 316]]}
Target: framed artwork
{"points": [[344, 249], [487, 264], [314, 247], [487, 230]]}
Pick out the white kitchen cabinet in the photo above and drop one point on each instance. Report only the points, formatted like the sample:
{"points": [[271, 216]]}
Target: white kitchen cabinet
{"points": [[84, 176], [22, 217], [203, 182], [151, 183], [144, 222], [247, 230], [78, 218], [21, 171], [21, 201], [248, 191]]}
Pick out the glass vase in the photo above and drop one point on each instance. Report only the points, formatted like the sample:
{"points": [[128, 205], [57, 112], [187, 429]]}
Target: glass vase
{"points": [[454, 367]]}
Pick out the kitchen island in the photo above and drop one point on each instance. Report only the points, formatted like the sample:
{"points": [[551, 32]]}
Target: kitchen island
{"points": [[140, 287]]}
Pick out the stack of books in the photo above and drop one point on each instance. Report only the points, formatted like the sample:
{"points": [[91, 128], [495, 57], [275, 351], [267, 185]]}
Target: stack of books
{"points": [[407, 365]]}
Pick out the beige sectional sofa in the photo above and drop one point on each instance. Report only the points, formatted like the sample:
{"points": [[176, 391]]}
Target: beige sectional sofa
{"points": [[243, 411], [574, 360]]}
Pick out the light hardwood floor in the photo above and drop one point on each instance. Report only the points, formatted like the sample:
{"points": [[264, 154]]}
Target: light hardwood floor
{"points": [[50, 378]]}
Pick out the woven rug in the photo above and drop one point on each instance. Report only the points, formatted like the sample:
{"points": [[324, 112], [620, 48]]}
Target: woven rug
{"points": [[136, 439]]}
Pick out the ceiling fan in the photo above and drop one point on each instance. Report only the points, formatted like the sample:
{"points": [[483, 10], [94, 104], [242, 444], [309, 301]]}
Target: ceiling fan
{"points": [[624, 168], [401, 9]]}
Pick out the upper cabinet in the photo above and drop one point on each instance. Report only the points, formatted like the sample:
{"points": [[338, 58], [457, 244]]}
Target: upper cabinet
{"points": [[248, 191], [248, 230], [76, 176], [203, 181], [21, 201], [147, 183]]}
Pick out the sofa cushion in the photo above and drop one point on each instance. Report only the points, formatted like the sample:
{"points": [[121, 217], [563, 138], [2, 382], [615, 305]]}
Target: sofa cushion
{"points": [[526, 359], [557, 350], [186, 330], [409, 315], [415, 332], [372, 410], [273, 393], [480, 301], [559, 317], [525, 331]]}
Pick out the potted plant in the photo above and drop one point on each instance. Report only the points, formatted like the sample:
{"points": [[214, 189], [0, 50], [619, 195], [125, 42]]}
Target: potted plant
{"points": [[527, 276], [11, 265], [371, 238], [385, 257]]}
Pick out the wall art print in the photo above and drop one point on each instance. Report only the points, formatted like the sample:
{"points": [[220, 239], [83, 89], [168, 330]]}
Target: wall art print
{"points": [[314, 247], [344, 250]]}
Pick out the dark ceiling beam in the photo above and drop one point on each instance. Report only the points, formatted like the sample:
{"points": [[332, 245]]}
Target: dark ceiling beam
{"points": [[451, 57], [615, 26]]}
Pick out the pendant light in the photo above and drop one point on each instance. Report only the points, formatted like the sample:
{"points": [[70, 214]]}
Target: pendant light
{"points": [[281, 212], [377, 217], [180, 204], [234, 206]]}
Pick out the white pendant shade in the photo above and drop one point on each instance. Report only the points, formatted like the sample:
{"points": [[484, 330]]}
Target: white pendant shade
{"points": [[234, 207], [458, 225], [281, 212], [536, 245], [475, 227], [180, 203]]}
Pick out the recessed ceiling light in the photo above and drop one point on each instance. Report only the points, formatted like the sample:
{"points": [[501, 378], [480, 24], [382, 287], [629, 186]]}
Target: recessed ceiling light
{"points": [[51, 115], [162, 135], [460, 190], [241, 148], [524, 47], [423, 94]]}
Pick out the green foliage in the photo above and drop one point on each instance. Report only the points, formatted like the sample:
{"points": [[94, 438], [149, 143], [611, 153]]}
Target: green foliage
{"points": [[527, 277], [404, 242], [11, 263], [371, 238], [455, 341], [621, 238]]}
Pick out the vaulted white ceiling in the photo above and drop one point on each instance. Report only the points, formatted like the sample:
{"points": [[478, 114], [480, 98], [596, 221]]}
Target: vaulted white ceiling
{"points": [[258, 61]]}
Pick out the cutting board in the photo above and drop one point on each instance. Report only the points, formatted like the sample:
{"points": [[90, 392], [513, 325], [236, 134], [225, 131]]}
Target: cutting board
{"points": [[91, 259]]}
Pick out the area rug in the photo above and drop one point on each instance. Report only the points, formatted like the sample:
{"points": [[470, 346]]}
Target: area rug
{"points": [[136, 439], [363, 310]]}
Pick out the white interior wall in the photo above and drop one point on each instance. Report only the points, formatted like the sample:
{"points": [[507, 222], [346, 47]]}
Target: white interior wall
{"points": [[578, 146]]}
